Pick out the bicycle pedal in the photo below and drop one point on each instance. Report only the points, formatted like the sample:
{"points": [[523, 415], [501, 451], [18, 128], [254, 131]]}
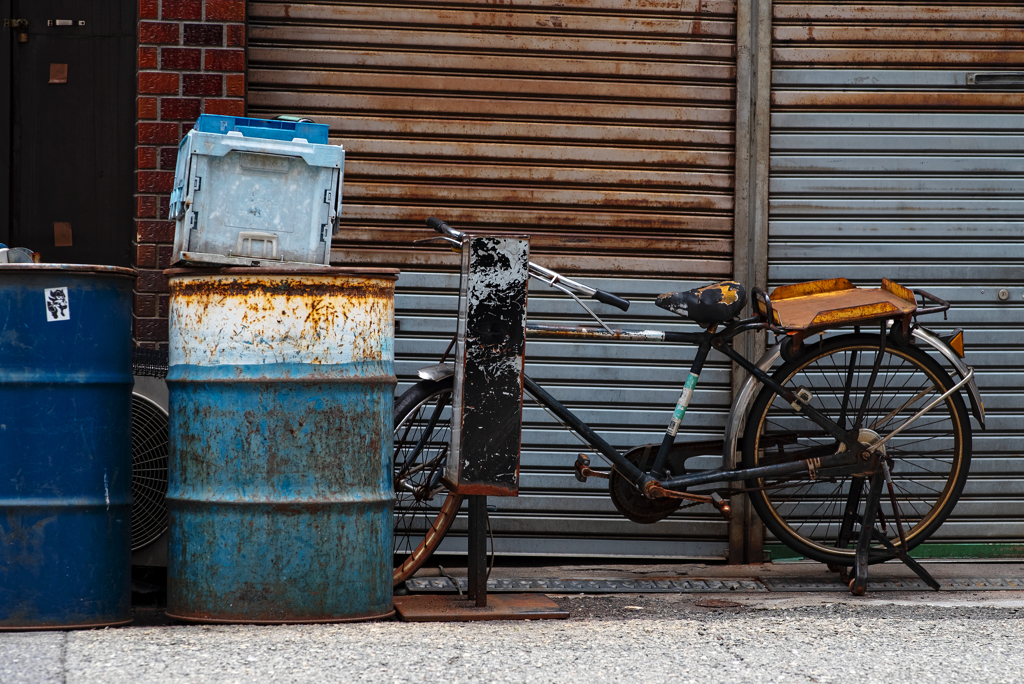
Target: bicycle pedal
{"points": [[582, 461], [583, 470]]}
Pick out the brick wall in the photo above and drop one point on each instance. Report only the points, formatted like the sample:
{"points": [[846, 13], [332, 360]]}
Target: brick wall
{"points": [[191, 61]]}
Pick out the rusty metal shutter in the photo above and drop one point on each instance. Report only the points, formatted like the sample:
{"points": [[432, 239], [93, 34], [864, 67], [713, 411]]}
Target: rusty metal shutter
{"points": [[897, 150], [604, 128]]}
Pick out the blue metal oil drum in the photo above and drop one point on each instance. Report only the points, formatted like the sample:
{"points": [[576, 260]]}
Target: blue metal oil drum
{"points": [[280, 494], [65, 445]]}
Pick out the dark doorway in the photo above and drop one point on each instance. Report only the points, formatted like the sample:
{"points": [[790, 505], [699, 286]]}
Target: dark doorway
{"points": [[67, 123]]}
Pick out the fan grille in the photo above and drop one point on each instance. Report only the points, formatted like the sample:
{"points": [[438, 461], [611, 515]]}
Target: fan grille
{"points": [[149, 471]]}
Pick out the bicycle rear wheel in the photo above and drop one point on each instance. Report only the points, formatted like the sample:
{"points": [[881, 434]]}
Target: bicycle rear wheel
{"points": [[928, 461], [424, 507]]}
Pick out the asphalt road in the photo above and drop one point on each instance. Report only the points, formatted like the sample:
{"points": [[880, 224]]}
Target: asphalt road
{"points": [[734, 638]]}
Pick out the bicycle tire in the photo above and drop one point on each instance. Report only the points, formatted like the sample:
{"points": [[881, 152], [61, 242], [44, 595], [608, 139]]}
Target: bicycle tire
{"points": [[424, 508], [929, 461]]}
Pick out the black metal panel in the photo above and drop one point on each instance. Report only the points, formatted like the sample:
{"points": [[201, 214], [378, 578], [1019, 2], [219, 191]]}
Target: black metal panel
{"points": [[72, 142], [488, 404]]}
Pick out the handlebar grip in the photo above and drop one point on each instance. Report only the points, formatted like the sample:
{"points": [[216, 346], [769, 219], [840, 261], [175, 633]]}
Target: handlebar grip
{"points": [[440, 226], [609, 298]]}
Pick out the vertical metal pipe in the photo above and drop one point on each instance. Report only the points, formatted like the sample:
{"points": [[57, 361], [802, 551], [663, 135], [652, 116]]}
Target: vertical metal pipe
{"points": [[750, 255], [476, 566]]}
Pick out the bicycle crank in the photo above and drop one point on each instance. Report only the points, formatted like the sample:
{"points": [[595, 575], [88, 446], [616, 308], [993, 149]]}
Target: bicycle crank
{"points": [[657, 492]]}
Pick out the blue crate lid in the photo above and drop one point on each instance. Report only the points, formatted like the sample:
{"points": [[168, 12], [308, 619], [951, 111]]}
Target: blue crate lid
{"points": [[263, 128]]}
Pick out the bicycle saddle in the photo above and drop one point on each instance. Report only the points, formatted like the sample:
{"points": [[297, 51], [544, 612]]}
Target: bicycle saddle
{"points": [[715, 303]]}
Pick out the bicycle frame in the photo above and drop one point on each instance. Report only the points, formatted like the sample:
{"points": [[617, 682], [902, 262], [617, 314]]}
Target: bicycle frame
{"points": [[853, 455]]}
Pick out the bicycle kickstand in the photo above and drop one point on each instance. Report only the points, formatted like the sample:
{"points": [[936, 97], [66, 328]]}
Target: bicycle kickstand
{"points": [[868, 533]]}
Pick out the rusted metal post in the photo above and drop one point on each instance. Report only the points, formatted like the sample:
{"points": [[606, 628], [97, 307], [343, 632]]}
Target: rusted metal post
{"points": [[750, 252], [476, 566]]}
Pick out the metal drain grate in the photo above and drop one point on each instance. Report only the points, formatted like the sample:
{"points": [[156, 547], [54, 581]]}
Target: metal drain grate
{"points": [[545, 585], [593, 586], [962, 584]]}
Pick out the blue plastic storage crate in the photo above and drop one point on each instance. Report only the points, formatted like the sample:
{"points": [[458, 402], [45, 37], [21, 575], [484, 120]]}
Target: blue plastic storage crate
{"points": [[248, 198], [270, 129]]}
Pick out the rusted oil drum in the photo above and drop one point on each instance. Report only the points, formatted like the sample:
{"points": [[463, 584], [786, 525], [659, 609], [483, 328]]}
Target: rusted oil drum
{"points": [[65, 445], [280, 491]]}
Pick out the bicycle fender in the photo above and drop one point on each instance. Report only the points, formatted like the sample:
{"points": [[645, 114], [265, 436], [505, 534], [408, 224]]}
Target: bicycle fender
{"points": [[977, 406], [734, 424], [439, 371]]}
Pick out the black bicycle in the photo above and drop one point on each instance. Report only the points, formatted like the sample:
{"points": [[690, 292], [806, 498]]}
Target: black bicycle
{"points": [[853, 451]]}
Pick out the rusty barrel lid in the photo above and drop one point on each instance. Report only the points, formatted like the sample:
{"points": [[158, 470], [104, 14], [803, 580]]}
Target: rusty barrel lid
{"points": [[303, 270], [68, 268]]}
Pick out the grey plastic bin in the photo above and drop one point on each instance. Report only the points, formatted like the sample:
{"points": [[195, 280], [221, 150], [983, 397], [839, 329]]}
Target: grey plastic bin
{"points": [[242, 201]]}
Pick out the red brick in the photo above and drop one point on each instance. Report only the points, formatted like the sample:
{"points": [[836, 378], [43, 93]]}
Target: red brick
{"points": [[158, 133], [151, 281], [164, 306], [145, 304], [189, 59], [156, 231], [168, 158], [158, 33], [234, 85], [147, 58], [236, 35], [225, 107], [146, 107], [151, 329], [182, 9], [164, 209], [163, 256], [146, 157], [155, 181], [211, 35], [158, 83], [172, 108], [145, 257], [145, 206], [202, 84], [225, 10], [225, 60], [149, 9]]}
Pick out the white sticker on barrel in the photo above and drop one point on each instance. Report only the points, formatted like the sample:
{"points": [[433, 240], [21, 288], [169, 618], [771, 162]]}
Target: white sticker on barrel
{"points": [[57, 306]]}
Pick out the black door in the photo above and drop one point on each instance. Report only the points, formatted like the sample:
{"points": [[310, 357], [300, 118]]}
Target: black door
{"points": [[66, 154]]}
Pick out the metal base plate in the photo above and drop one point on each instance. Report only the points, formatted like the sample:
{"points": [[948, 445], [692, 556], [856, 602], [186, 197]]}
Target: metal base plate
{"points": [[448, 608]]}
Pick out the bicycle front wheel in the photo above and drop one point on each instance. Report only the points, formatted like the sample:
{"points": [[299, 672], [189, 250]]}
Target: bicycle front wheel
{"points": [[928, 461], [424, 507]]}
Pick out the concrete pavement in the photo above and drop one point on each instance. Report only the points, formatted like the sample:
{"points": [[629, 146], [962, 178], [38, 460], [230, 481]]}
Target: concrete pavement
{"points": [[734, 638]]}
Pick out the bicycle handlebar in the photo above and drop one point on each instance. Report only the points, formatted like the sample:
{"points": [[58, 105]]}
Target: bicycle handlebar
{"points": [[546, 274]]}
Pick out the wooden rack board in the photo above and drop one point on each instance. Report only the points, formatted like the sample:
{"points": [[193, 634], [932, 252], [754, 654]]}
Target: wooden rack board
{"points": [[831, 303]]}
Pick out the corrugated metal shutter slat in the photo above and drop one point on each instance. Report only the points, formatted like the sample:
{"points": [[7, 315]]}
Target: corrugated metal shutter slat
{"points": [[886, 161]]}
